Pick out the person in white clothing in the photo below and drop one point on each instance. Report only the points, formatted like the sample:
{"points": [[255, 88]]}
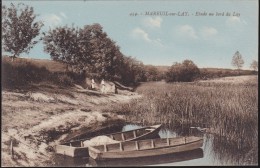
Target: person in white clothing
{"points": [[92, 84], [102, 86]]}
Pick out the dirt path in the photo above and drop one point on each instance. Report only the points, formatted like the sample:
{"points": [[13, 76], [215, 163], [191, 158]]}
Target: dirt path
{"points": [[39, 118]]}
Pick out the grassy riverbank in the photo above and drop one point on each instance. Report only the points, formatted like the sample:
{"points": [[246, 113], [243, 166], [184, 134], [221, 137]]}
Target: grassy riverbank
{"points": [[38, 117]]}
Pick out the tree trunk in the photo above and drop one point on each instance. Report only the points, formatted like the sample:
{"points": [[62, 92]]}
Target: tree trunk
{"points": [[13, 57]]}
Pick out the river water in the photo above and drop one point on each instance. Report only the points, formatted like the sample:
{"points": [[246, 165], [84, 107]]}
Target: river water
{"points": [[215, 152]]}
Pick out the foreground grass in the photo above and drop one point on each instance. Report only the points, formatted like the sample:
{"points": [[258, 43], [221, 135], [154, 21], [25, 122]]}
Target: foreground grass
{"points": [[230, 109]]}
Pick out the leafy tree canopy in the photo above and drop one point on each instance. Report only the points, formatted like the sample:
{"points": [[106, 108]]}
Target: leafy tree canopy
{"points": [[19, 29], [254, 65], [88, 49], [237, 60], [186, 71]]}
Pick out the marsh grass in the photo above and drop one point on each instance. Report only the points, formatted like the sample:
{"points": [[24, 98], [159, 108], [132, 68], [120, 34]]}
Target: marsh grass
{"points": [[229, 109]]}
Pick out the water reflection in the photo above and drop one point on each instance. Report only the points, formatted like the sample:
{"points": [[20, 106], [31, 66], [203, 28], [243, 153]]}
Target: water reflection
{"points": [[227, 152], [67, 161]]}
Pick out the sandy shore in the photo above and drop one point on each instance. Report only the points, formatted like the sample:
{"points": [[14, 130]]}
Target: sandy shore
{"points": [[38, 118]]}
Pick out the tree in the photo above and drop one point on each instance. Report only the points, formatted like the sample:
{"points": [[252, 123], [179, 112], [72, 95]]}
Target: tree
{"points": [[106, 58], [86, 49], [19, 29], [186, 71], [151, 73], [132, 71], [62, 44], [237, 61], [254, 65]]}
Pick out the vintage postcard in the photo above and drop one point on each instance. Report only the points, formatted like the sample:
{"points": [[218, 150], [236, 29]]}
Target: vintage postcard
{"points": [[129, 83]]}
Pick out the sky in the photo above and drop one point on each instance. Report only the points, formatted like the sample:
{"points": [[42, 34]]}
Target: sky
{"points": [[161, 32]]}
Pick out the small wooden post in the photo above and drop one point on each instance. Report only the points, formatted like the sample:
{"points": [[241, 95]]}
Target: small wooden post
{"points": [[168, 141], [105, 147], [123, 136], [12, 149], [185, 139], [152, 143], [136, 145], [70, 145], [134, 134], [121, 146]]}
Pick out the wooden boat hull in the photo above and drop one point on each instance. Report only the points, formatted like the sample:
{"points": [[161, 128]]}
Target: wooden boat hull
{"points": [[150, 160], [71, 151], [149, 148], [76, 149]]}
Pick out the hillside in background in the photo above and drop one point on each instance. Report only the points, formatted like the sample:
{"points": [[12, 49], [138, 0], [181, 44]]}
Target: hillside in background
{"points": [[55, 66], [23, 71], [50, 65], [162, 68], [208, 73]]}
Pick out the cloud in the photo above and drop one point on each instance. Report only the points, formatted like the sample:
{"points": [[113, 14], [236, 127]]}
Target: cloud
{"points": [[52, 20], [187, 31], [140, 33], [234, 20], [153, 22], [158, 42], [63, 15], [207, 32]]}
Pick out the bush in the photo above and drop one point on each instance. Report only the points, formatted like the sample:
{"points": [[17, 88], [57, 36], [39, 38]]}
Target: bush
{"points": [[22, 73], [186, 71], [208, 73], [62, 79]]}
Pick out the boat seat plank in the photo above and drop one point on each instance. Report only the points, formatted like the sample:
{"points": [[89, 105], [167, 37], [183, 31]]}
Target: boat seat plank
{"points": [[136, 145], [134, 133], [121, 146], [152, 143], [105, 148], [123, 136]]}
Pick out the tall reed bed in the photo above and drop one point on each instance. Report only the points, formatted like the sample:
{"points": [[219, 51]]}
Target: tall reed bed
{"points": [[229, 109]]}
